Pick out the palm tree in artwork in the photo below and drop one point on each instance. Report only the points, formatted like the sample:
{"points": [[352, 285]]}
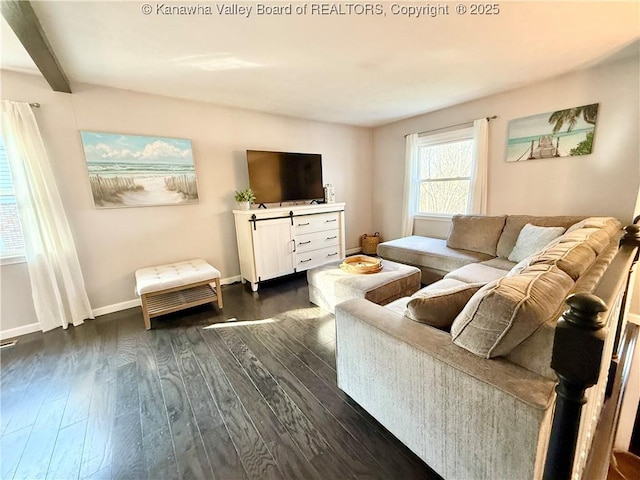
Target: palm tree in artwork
{"points": [[570, 116]]}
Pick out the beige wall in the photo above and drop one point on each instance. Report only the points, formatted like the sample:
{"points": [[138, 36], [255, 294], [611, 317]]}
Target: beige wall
{"points": [[113, 243], [603, 183]]}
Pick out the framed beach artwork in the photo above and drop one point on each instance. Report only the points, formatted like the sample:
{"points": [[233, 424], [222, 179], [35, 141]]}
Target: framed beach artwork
{"points": [[139, 171], [563, 133]]}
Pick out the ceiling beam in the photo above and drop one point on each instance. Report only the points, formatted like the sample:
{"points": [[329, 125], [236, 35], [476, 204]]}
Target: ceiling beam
{"points": [[23, 21]]}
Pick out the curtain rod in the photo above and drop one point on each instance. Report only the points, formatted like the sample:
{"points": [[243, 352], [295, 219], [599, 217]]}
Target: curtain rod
{"points": [[34, 105], [451, 126]]}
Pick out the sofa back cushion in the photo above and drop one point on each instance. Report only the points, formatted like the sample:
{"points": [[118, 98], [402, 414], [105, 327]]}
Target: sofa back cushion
{"points": [[515, 223], [440, 303], [478, 233], [572, 257], [504, 313]]}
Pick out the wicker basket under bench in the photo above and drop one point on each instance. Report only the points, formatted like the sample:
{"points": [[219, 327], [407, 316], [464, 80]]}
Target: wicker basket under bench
{"points": [[176, 286]]}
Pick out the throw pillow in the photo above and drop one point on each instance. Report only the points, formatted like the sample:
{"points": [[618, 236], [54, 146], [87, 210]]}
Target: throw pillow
{"points": [[438, 307], [504, 313], [478, 233], [533, 239]]}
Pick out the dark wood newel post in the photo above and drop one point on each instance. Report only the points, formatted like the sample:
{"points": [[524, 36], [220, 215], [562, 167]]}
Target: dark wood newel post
{"points": [[576, 357]]}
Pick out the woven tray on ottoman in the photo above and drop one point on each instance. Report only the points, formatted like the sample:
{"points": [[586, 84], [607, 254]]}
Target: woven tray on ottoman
{"points": [[330, 285]]}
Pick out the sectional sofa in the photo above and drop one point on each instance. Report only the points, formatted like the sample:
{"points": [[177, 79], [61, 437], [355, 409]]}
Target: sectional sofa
{"points": [[460, 371]]}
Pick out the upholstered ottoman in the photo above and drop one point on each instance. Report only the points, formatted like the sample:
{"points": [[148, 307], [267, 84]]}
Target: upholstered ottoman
{"points": [[329, 285], [176, 286]]}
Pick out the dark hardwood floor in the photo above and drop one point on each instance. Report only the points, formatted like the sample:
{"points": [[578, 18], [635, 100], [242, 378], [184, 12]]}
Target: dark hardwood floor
{"points": [[195, 397]]}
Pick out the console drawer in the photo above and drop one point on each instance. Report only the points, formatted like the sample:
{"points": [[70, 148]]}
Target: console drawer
{"points": [[316, 240], [306, 260], [315, 223]]}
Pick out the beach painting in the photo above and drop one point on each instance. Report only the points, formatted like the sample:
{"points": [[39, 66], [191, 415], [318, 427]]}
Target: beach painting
{"points": [[139, 171], [563, 133]]}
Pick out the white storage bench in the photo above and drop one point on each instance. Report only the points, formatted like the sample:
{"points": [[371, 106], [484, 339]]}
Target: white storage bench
{"points": [[176, 286]]}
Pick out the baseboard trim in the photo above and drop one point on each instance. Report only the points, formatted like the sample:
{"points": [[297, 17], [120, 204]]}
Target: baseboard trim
{"points": [[18, 331], [116, 307], [353, 251], [634, 318]]}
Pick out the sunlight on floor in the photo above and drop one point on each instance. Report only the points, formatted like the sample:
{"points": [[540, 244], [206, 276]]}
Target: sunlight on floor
{"points": [[232, 322]]}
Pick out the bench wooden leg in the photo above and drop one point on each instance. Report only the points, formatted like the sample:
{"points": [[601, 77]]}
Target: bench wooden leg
{"points": [[219, 292], [145, 312]]}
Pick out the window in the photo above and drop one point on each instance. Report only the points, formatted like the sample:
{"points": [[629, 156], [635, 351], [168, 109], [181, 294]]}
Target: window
{"points": [[11, 240], [444, 169]]}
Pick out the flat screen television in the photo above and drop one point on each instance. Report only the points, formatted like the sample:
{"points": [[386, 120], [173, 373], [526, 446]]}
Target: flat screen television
{"points": [[285, 176]]}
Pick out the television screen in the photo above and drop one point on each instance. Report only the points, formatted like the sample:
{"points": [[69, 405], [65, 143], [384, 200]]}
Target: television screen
{"points": [[284, 177]]}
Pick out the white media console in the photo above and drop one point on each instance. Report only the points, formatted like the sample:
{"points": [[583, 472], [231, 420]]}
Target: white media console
{"points": [[278, 241]]}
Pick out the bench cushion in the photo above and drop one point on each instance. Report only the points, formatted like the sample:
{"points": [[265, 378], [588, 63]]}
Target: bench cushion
{"points": [[163, 277]]}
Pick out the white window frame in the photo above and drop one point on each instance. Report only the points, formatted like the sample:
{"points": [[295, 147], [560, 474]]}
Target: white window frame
{"points": [[428, 140], [16, 256]]}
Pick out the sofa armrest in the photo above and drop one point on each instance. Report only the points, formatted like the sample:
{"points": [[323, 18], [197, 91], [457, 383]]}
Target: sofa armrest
{"points": [[526, 386]]}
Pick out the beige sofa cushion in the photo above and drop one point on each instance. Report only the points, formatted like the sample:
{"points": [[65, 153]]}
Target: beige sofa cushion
{"points": [[432, 253], [533, 239], [477, 273], [572, 257], [596, 238], [514, 224], [440, 303], [609, 224], [478, 233], [504, 313]]}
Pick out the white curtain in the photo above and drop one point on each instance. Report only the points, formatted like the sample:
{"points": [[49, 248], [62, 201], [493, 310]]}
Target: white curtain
{"points": [[58, 288], [410, 186], [478, 194]]}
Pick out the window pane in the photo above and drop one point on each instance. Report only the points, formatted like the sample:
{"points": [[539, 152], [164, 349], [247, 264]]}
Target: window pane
{"points": [[446, 160], [11, 241], [444, 197]]}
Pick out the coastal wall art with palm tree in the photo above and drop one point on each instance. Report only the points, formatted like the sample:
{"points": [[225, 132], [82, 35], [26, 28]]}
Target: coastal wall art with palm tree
{"points": [[563, 133]]}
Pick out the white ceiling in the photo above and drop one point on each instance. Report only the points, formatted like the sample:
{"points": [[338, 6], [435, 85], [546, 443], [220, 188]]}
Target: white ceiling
{"points": [[352, 69]]}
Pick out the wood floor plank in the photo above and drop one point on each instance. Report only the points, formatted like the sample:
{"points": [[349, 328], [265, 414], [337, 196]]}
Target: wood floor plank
{"points": [[152, 407], [304, 334], [67, 453], [254, 456], [289, 403], [37, 453], [184, 430], [128, 458], [98, 443], [11, 448], [27, 394], [160, 459], [288, 456], [127, 398]]}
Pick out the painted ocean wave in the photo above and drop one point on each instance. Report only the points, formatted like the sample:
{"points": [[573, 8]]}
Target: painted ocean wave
{"points": [[111, 168]]}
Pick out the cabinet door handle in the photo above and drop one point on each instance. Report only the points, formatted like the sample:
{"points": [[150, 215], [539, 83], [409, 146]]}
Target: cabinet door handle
{"points": [[305, 261], [304, 243], [294, 246], [332, 220], [303, 224], [331, 238], [331, 254]]}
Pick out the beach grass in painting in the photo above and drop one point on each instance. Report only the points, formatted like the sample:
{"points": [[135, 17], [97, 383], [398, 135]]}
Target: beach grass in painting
{"points": [[562, 133], [137, 171]]}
